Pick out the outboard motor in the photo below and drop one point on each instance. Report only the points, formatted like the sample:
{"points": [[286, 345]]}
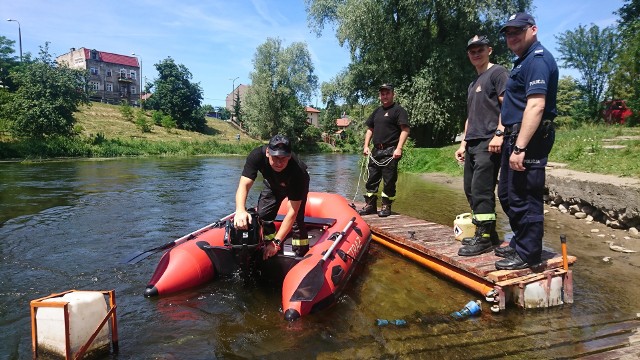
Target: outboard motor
{"points": [[244, 243]]}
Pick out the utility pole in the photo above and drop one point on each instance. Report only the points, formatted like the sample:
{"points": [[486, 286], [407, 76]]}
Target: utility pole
{"points": [[233, 96], [19, 36]]}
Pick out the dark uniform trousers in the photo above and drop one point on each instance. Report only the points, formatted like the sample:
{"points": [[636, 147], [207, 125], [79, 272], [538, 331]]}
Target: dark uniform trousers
{"points": [[480, 176], [387, 173], [521, 192], [268, 205]]}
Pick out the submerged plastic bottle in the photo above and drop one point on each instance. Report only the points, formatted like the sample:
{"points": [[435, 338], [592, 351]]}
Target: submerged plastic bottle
{"points": [[396, 322], [472, 308]]}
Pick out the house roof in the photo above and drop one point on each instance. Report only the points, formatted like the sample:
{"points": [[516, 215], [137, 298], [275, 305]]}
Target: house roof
{"points": [[310, 109], [113, 58], [343, 122]]}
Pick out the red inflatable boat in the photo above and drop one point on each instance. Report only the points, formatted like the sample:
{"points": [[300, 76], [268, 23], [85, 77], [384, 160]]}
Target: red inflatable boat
{"points": [[339, 238]]}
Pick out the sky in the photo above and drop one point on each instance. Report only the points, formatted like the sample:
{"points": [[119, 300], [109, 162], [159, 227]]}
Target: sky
{"points": [[217, 39]]}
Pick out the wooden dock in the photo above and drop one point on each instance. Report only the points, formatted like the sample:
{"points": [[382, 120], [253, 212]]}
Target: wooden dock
{"points": [[434, 246]]}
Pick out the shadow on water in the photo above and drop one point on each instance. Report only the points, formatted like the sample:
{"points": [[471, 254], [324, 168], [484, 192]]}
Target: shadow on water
{"points": [[67, 225]]}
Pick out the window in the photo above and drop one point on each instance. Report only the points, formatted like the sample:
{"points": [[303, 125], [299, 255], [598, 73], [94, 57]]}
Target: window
{"points": [[93, 85], [123, 74], [133, 89], [109, 87], [94, 71], [109, 73], [132, 74], [94, 55]]}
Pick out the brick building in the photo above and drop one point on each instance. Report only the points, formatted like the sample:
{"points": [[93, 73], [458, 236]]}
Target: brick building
{"points": [[112, 77]]}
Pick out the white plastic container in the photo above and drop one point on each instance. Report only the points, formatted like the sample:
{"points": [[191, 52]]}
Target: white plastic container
{"points": [[86, 309], [463, 226]]}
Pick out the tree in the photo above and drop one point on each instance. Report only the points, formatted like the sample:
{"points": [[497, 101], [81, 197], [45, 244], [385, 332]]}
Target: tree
{"points": [[176, 96], [281, 82], [419, 46], [224, 112], [592, 53], [46, 98], [569, 96], [7, 62], [237, 108]]}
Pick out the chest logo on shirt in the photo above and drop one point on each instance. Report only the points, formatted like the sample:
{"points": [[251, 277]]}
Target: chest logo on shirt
{"points": [[386, 114], [479, 89]]}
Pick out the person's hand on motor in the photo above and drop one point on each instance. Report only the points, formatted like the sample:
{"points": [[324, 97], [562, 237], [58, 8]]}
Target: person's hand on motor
{"points": [[241, 220], [270, 249]]}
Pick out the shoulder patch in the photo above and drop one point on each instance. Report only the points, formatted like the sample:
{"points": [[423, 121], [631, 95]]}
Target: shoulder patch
{"points": [[539, 52]]}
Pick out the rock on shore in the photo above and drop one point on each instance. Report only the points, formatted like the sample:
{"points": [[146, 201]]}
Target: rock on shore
{"points": [[608, 199]]}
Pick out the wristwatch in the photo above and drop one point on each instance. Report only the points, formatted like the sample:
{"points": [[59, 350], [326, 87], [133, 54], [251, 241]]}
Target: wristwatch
{"points": [[277, 242], [499, 132], [517, 149]]}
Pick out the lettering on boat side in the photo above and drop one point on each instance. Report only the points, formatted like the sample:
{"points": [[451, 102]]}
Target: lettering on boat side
{"points": [[355, 248]]}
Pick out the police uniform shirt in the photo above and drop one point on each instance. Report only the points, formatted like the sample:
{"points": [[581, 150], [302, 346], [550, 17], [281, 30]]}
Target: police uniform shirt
{"points": [[535, 72], [483, 106], [291, 182], [386, 122]]}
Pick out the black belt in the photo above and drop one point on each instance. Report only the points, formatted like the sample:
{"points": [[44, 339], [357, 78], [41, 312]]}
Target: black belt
{"points": [[383, 146], [544, 126]]}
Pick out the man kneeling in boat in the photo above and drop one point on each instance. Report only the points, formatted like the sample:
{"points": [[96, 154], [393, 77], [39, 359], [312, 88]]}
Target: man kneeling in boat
{"points": [[285, 176]]}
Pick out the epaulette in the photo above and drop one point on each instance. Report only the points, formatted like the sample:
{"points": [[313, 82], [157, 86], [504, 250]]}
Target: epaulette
{"points": [[538, 52]]}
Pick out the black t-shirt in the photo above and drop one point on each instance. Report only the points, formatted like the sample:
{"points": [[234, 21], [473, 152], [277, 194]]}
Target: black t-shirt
{"points": [[291, 182], [386, 122], [483, 107]]}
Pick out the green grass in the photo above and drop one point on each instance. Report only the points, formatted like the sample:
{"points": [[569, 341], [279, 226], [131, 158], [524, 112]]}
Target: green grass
{"points": [[104, 132], [584, 149]]}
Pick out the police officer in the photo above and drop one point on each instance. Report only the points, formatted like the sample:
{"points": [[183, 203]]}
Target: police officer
{"points": [[388, 128], [528, 111], [481, 144], [285, 176]]}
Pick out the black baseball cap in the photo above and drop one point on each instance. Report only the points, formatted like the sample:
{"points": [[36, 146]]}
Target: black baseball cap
{"points": [[386, 86], [279, 145], [478, 40], [519, 20]]}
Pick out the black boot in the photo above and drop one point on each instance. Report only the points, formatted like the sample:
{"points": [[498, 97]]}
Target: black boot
{"points": [[301, 248], [495, 239], [481, 241], [504, 251], [511, 262], [386, 207], [371, 205]]}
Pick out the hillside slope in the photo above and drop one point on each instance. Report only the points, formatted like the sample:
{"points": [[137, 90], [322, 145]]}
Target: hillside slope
{"points": [[107, 119]]}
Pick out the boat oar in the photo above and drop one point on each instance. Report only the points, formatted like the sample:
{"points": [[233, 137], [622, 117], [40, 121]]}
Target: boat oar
{"points": [[312, 283], [139, 256]]}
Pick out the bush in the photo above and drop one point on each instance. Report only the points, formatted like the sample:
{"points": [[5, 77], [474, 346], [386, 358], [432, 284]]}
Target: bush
{"points": [[142, 123], [127, 111], [157, 117], [168, 122]]}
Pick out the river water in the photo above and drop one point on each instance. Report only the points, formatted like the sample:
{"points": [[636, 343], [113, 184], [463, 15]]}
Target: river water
{"points": [[68, 224]]}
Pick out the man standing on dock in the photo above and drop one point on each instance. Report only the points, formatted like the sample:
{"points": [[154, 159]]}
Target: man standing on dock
{"points": [[528, 112], [285, 176], [481, 144], [388, 127]]}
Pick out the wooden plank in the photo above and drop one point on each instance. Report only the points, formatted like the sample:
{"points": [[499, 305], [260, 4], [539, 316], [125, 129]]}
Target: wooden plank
{"points": [[438, 241]]}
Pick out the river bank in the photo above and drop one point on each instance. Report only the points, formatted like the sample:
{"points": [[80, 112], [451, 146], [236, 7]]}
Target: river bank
{"points": [[607, 205]]}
